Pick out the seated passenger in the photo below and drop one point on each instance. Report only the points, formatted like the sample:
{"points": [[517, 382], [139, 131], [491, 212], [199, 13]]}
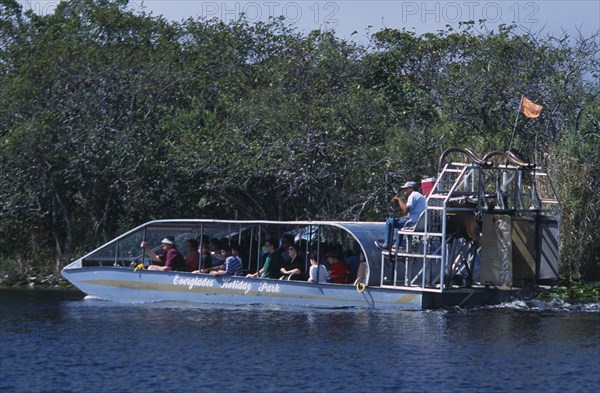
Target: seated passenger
{"points": [[286, 241], [317, 273], [411, 209], [205, 258], [352, 261], [214, 246], [232, 265], [272, 262], [192, 258], [329, 249], [363, 270], [338, 269], [172, 258], [294, 269], [224, 253]]}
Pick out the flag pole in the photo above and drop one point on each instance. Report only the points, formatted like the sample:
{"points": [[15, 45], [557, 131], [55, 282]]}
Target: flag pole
{"points": [[516, 120]]}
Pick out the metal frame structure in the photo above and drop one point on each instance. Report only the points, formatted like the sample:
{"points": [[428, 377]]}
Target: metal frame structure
{"points": [[443, 251]]}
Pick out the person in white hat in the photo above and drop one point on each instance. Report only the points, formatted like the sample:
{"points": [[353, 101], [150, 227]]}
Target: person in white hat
{"points": [[415, 204], [172, 258]]}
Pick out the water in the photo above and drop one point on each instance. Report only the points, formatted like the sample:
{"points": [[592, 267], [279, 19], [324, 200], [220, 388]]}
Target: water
{"points": [[53, 341]]}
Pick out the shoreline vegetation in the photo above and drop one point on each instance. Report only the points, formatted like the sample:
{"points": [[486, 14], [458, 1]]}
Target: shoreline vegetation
{"points": [[113, 117]]}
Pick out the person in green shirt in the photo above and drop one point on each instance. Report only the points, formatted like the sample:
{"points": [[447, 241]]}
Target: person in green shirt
{"points": [[273, 261]]}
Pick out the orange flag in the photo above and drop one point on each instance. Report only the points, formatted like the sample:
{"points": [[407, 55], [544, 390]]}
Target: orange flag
{"points": [[530, 109]]}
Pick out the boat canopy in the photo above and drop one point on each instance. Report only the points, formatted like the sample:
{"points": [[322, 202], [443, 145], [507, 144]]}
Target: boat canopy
{"points": [[345, 239]]}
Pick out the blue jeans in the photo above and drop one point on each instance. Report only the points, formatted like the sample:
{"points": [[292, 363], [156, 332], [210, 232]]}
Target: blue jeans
{"points": [[391, 225]]}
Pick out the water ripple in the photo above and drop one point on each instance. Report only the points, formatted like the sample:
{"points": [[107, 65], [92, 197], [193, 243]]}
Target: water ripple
{"points": [[63, 344]]}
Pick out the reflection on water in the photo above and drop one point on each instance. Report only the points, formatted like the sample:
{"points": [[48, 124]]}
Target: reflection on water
{"points": [[78, 345]]}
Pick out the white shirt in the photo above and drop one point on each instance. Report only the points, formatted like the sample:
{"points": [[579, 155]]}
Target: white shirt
{"points": [[322, 273], [416, 203]]}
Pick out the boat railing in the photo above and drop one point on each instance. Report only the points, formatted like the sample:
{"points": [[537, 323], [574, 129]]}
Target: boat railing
{"points": [[416, 262]]}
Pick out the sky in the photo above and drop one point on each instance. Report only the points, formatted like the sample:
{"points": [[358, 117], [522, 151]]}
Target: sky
{"points": [[366, 17]]}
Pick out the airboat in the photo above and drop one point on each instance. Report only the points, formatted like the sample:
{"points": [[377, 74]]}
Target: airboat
{"points": [[490, 234]]}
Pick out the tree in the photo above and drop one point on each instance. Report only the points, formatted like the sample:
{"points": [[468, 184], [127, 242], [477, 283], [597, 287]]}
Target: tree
{"points": [[110, 118]]}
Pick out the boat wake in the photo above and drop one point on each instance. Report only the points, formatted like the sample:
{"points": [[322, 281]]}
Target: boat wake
{"points": [[93, 298], [554, 305]]}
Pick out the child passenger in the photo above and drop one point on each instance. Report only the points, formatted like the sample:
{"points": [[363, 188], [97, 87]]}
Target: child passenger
{"points": [[317, 273], [338, 269]]}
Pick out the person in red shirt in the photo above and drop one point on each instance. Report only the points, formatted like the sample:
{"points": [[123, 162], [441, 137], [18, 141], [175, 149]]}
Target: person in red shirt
{"points": [[337, 269], [172, 258]]}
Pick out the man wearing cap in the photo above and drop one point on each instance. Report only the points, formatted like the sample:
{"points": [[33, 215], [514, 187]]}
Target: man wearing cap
{"points": [[172, 258], [412, 209]]}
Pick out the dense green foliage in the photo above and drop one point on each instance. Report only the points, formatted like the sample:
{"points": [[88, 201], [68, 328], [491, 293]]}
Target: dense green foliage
{"points": [[110, 118]]}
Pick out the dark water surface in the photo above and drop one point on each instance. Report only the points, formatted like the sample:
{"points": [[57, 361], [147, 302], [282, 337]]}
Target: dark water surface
{"points": [[56, 342]]}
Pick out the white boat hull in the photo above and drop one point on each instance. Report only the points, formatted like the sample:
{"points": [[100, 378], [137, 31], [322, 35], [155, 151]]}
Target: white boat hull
{"points": [[126, 286]]}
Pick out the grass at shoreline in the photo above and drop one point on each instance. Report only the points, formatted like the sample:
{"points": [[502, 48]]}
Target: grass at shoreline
{"points": [[575, 292], [51, 280]]}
